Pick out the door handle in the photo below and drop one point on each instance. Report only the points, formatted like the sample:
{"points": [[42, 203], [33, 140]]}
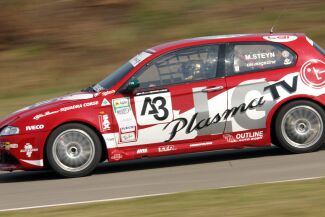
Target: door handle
{"points": [[212, 89]]}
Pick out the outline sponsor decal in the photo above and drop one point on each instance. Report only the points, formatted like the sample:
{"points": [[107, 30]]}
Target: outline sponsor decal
{"points": [[28, 149], [312, 73], [229, 138], [280, 38], [244, 136]]}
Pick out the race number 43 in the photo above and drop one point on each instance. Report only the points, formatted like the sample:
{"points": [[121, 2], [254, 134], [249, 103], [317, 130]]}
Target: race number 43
{"points": [[154, 108]]}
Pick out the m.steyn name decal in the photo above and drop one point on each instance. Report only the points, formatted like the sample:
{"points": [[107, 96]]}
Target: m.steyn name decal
{"points": [[181, 123]]}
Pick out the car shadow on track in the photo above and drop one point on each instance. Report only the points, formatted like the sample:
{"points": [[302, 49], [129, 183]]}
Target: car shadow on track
{"points": [[152, 163]]}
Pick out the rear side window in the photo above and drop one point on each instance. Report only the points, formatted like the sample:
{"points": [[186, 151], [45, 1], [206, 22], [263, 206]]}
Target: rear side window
{"points": [[254, 57], [319, 48]]}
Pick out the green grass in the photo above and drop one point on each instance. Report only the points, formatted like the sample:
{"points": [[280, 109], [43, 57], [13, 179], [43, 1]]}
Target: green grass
{"points": [[48, 47], [298, 199]]}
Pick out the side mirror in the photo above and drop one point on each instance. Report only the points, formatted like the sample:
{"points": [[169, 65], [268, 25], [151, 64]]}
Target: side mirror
{"points": [[131, 85]]}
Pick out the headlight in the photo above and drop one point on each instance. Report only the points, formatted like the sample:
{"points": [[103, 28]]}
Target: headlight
{"points": [[9, 130]]}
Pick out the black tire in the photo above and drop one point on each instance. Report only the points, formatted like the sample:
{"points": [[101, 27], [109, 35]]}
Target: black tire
{"points": [[299, 127], [70, 145]]}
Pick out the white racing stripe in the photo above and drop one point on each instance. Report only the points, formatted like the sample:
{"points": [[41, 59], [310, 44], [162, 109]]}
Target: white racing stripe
{"points": [[151, 195]]}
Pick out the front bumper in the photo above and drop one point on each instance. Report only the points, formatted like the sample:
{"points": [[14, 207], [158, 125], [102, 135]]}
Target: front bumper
{"points": [[8, 162], [22, 152]]}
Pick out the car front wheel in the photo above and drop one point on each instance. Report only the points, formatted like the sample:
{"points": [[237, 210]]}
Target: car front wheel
{"points": [[299, 126], [73, 150]]}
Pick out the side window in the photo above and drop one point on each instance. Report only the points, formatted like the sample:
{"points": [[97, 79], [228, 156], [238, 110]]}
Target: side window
{"points": [[260, 57], [186, 65]]}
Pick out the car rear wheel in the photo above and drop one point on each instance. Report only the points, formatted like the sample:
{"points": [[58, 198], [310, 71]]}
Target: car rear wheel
{"points": [[73, 150], [299, 127]]}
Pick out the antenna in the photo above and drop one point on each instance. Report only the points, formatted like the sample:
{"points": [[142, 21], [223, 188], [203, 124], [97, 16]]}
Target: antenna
{"points": [[276, 21]]}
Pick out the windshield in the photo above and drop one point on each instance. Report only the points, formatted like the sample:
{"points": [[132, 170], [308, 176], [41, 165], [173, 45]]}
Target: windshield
{"points": [[113, 78], [116, 76]]}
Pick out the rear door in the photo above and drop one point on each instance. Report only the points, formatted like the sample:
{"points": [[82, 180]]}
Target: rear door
{"points": [[180, 98], [251, 69]]}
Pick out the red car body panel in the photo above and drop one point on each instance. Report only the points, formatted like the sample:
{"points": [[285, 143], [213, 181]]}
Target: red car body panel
{"points": [[145, 137]]}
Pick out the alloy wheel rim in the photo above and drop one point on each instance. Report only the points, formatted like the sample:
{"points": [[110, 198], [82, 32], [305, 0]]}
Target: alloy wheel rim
{"points": [[302, 126], [73, 150]]}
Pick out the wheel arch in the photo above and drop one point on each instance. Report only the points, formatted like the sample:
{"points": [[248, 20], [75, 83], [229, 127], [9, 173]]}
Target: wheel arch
{"points": [[270, 122], [100, 136]]}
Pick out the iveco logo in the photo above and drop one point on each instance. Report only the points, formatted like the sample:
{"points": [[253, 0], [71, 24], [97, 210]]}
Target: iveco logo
{"points": [[34, 127]]}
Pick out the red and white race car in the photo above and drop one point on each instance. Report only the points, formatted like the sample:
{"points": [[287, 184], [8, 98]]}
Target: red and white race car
{"points": [[193, 95]]}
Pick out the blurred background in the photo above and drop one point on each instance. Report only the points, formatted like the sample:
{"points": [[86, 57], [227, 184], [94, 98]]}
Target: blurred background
{"points": [[52, 47]]}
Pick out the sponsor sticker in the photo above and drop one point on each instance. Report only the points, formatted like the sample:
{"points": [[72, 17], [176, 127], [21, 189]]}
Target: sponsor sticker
{"points": [[104, 122], [263, 63], [258, 56], [127, 129], [139, 58], [128, 137], [7, 146], [65, 109], [313, 73], [35, 127], [280, 38], [106, 93], [28, 149], [105, 102], [117, 157], [78, 106], [166, 148], [122, 111], [200, 144], [287, 62], [142, 151], [125, 120], [48, 113], [121, 103], [154, 108]]}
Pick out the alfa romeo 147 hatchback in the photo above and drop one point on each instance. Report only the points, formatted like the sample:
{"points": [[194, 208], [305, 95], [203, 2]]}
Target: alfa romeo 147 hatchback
{"points": [[193, 95]]}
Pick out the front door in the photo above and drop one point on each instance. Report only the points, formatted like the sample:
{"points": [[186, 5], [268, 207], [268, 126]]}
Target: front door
{"points": [[181, 98]]}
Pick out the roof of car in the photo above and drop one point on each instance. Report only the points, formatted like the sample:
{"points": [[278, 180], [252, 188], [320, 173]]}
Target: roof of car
{"points": [[219, 38]]}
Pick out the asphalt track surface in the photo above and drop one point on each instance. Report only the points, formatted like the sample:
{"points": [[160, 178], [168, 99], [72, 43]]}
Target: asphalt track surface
{"points": [[161, 175]]}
